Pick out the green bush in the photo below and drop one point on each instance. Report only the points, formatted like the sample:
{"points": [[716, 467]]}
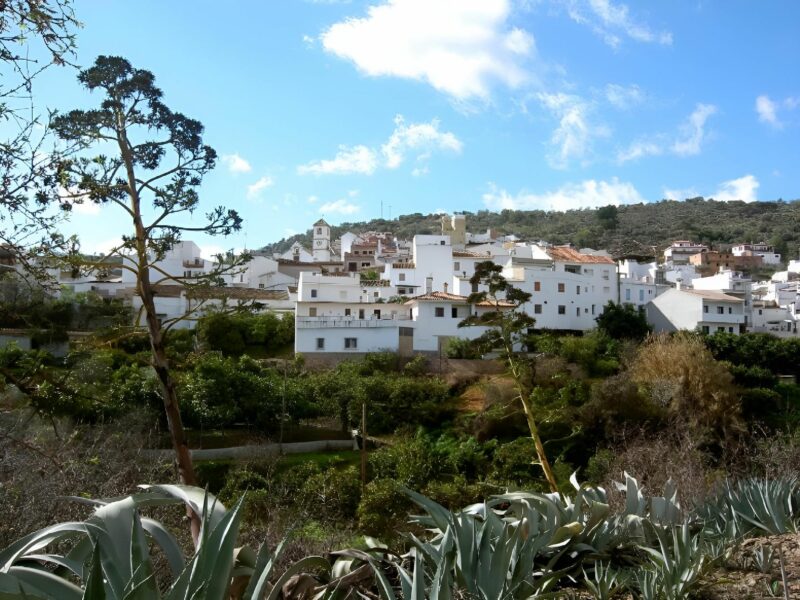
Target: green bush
{"points": [[513, 463], [461, 348], [383, 509]]}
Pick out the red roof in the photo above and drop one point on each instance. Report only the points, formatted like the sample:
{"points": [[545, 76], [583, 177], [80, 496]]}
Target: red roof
{"points": [[566, 254]]}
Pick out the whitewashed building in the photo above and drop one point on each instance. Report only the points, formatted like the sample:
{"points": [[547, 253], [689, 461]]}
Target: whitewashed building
{"points": [[706, 311]]}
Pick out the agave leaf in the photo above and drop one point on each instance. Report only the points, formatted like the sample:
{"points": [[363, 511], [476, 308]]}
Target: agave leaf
{"points": [[384, 587], [309, 563], [440, 515], [193, 497], [46, 583], [142, 584], [262, 571], [61, 561], [94, 588], [167, 542], [38, 540]]}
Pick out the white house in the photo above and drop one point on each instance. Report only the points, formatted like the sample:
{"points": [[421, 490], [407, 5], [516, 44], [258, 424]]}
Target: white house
{"points": [[765, 251], [680, 250], [568, 289], [709, 312], [733, 284]]}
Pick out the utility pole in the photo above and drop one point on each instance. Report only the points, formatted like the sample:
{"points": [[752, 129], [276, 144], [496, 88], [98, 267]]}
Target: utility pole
{"points": [[363, 444]]}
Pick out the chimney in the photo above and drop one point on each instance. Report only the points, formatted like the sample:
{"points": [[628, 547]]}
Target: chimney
{"points": [[445, 287]]}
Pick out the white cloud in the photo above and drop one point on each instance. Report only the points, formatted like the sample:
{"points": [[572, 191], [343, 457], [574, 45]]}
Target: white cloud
{"points": [[419, 139], [309, 41], [575, 133], [313, 199], [640, 148], [767, 111], [356, 159], [587, 194], [236, 164], [687, 142], [611, 21], [743, 188], [254, 190], [623, 96], [693, 132], [422, 137], [459, 47], [680, 194], [420, 171], [341, 206]]}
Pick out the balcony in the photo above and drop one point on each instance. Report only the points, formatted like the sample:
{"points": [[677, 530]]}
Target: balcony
{"points": [[348, 322], [195, 263]]}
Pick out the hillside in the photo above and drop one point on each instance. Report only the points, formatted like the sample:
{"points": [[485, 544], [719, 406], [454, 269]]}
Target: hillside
{"points": [[630, 229]]}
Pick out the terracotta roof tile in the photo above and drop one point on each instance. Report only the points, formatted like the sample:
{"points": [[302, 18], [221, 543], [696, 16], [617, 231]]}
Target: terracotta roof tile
{"points": [[565, 254]]}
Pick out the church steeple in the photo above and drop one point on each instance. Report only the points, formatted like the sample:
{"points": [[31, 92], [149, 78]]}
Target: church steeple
{"points": [[322, 241]]}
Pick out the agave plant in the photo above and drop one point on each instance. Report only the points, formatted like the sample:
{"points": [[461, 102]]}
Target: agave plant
{"points": [[108, 557], [678, 562], [753, 506]]}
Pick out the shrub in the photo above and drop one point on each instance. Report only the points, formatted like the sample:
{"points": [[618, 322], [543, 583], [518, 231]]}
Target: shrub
{"points": [[383, 508], [513, 463], [462, 348], [681, 374]]}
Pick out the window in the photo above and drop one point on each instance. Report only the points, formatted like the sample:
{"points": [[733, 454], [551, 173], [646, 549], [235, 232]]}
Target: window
{"points": [[761, 312], [641, 295], [577, 311], [474, 288], [319, 230], [441, 242], [346, 312], [721, 329], [730, 310], [313, 293], [365, 264], [376, 294], [350, 343], [705, 328], [578, 290], [261, 286], [561, 287], [537, 286], [628, 295], [705, 308], [730, 329], [360, 313], [377, 313], [720, 310], [572, 269], [454, 312], [320, 343], [562, 310], [401, 291], [401, 277], [537, 309], [456, 266], [439, 311], [592, 308], [312, 311]]}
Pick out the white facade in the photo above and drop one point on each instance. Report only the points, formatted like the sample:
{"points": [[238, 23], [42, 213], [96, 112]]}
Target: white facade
{"points": [[709, 312], [321, 244], [766, 252], [680, 251], [733, 284]]}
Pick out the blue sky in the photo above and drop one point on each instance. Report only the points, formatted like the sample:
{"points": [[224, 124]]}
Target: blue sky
{"points": [[334, 108]]}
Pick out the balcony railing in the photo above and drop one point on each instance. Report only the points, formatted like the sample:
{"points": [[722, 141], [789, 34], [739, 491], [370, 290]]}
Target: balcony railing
{"points": [[348, 322], [196, 263]]}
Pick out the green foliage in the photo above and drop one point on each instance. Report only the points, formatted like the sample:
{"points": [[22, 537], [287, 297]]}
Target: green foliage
{"points": [[512, 463], [462, 348], [383, 508], [233, 334], [623, 321], [777, 355], [219, 391]]}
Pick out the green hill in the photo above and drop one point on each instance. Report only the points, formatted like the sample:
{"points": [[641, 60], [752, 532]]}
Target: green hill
{"points": [[636, 229]]}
